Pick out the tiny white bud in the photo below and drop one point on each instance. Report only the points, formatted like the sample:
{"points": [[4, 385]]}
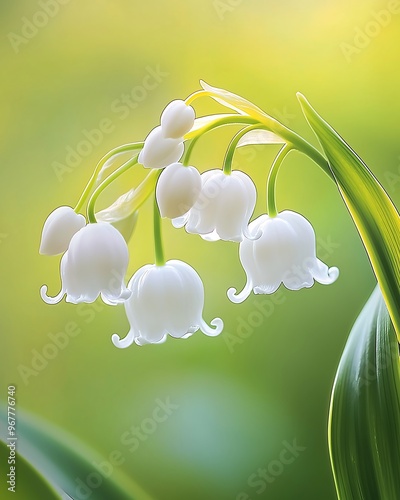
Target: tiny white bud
{"points": [[58, 230], [177, 190], [177, 119], [159, 151]]}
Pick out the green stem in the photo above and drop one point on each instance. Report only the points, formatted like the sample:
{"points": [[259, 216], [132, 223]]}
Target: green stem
{"points": [[196, 95], [158, 246], [233, 145], [271, 181], [123, 168], [268, 123], [221, 122], [114, 152]]}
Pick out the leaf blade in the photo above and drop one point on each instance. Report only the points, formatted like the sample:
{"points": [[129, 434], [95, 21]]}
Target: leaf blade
{"points": [[364, 417], [374, 214], [61, 458]]}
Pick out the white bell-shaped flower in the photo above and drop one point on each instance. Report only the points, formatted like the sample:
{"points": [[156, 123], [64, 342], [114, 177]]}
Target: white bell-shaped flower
{"points": [[159, 151], [177, 190], [165, 300], [223, 208], [284, 253], [58, 230], [94, 264], [177, 119]]}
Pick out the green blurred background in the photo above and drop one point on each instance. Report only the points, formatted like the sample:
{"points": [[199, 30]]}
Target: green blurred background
{"points": [[236, 400]]}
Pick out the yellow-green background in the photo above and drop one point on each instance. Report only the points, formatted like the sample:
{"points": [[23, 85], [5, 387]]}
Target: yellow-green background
{"points": [[235, 408]]}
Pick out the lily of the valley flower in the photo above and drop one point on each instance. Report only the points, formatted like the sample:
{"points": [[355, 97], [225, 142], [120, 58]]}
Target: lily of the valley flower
{"points": [[159, 151], [94, 264], [223, 208], [58, 230], [177, 190], [165, 300], [177, 119], [284, 253]]}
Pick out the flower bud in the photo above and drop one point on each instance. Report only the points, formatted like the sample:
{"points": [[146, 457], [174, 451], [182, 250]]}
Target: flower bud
{"points": [[177, 190], [58, 230], [158, 151], [177, 119]]}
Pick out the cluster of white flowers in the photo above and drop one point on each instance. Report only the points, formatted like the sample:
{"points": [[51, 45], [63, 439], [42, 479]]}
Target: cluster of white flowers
{"points": [[169, 298]]}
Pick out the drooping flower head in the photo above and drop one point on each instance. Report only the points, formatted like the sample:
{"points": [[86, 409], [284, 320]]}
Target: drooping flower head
{"points": [[177, 190], [94, 264], [284, 253], [165, 300], [58, 230], [223, 208]]}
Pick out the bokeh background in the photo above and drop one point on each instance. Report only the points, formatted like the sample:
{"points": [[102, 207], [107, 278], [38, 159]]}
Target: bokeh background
{"points": [[238, 399]]}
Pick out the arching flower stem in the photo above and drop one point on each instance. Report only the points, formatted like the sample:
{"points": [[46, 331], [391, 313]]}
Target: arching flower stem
{"points": [[233, 145], [92, 201], [196, 95], [271, 181], [158, 246], [114, 152], [226, 120]]}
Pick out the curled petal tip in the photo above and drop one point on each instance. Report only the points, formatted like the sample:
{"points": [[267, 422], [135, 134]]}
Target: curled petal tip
{"points": [[123, 343], [325, 275], [51, 300], [333, 274], [218, 325], [238, 298]]}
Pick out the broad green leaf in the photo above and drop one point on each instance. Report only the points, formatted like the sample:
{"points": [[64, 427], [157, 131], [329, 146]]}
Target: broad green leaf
{"points": [[259, 137], [364, 421], [69, 464], [29, 483], [374, 214]]}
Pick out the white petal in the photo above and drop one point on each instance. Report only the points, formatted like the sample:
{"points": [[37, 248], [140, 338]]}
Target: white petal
{"points": [[177, 119], [95, 264], [58, 230], [177, 190], [158, 151], [166, 300]]}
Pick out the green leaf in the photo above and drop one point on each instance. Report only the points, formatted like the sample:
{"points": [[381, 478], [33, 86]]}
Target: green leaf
{"points": [[29, 483], [65, 461], [364, 421], [374, 214]]}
